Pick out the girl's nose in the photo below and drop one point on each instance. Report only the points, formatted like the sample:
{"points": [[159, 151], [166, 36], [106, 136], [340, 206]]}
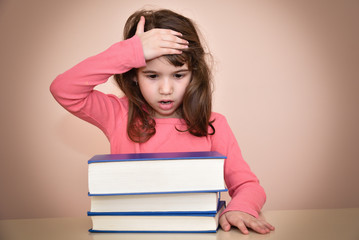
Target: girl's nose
{"points": [[166, 87]]}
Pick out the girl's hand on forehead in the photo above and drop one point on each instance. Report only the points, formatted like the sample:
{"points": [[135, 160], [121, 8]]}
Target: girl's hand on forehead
{"points": [[157, 42]]}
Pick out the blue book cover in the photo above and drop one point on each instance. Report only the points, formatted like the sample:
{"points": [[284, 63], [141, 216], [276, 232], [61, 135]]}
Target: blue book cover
{"points": [[106, 231], [192, 213], [155, 156]]}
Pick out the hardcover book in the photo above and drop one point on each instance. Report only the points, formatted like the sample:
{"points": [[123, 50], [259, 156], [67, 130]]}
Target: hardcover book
{"points": [[130, 222], [172, 202], [151, 173]]}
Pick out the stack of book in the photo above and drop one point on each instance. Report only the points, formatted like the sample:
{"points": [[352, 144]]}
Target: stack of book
{"points": [[156, 192]]}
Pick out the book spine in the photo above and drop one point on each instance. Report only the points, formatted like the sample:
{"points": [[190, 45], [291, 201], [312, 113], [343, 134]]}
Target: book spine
{"points": [[155, 156], [192, 213]]}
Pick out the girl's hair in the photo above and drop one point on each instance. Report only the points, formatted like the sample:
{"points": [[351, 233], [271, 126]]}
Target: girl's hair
{"points": [[197, 101]]}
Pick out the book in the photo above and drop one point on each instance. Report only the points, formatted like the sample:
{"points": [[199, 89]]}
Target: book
{"points": [[172, 202], [150, 173], [150, 222], [157, 236]]}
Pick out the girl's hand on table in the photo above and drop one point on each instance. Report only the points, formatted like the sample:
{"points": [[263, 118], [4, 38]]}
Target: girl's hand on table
{"points": [[242, 221]]}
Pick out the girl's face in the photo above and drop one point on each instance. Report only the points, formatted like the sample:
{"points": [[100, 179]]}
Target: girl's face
{"points": [[163, 86]]}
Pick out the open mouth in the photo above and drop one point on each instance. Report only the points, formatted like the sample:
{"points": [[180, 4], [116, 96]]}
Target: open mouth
{"points": [[166, 105], [166, 102]]}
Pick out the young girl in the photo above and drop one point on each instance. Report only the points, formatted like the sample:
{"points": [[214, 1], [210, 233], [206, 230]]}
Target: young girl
{"points": [[161, 68]]}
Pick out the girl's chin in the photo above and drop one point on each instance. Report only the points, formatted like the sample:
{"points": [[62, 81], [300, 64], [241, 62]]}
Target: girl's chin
{"points": [[166, 114]]}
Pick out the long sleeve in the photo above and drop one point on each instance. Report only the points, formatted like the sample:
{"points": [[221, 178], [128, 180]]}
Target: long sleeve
{"points": [[74, 89], [243, 186]]}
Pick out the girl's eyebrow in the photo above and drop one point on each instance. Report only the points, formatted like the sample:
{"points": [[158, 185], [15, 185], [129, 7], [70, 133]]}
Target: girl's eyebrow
{"points": [[182, 70], [152, 71], [148, 71]]}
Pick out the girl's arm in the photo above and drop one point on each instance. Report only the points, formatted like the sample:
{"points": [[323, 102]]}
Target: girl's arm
{"points": [[74, 88], [248, 197]]}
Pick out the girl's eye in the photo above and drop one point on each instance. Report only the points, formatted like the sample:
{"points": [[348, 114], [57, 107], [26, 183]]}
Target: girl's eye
{"points": [[151, 76], [179, 75]]}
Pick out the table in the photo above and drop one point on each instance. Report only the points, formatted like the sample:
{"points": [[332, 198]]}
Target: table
{"points": [[325, 224]]}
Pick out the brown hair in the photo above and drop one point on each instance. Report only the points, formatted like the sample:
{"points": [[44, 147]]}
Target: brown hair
{"points": [[197, 101]]}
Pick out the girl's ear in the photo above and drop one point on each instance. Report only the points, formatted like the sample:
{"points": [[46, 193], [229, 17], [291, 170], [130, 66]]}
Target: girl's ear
{"points": [[135, 80]]}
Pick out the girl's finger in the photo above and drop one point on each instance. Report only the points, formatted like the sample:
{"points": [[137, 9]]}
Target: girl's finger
{"points": [[259, 226], [173, 45], [173, 38], [226, 226], [242, 227], [140, 26], [169, 32], [169, 51], [269, 226]]}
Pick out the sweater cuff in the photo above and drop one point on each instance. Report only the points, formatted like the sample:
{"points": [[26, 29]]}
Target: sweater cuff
{"points": [[138, 51], [245, 209]]}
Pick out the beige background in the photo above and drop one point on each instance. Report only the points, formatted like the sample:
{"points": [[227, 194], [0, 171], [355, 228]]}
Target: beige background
{"points": [[286, 77]]}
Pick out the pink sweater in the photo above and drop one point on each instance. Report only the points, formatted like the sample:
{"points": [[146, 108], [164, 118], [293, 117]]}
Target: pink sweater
{"points": [[74, 91]]}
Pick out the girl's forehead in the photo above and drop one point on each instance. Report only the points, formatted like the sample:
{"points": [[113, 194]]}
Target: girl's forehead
{"points": [[162, 64]]}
